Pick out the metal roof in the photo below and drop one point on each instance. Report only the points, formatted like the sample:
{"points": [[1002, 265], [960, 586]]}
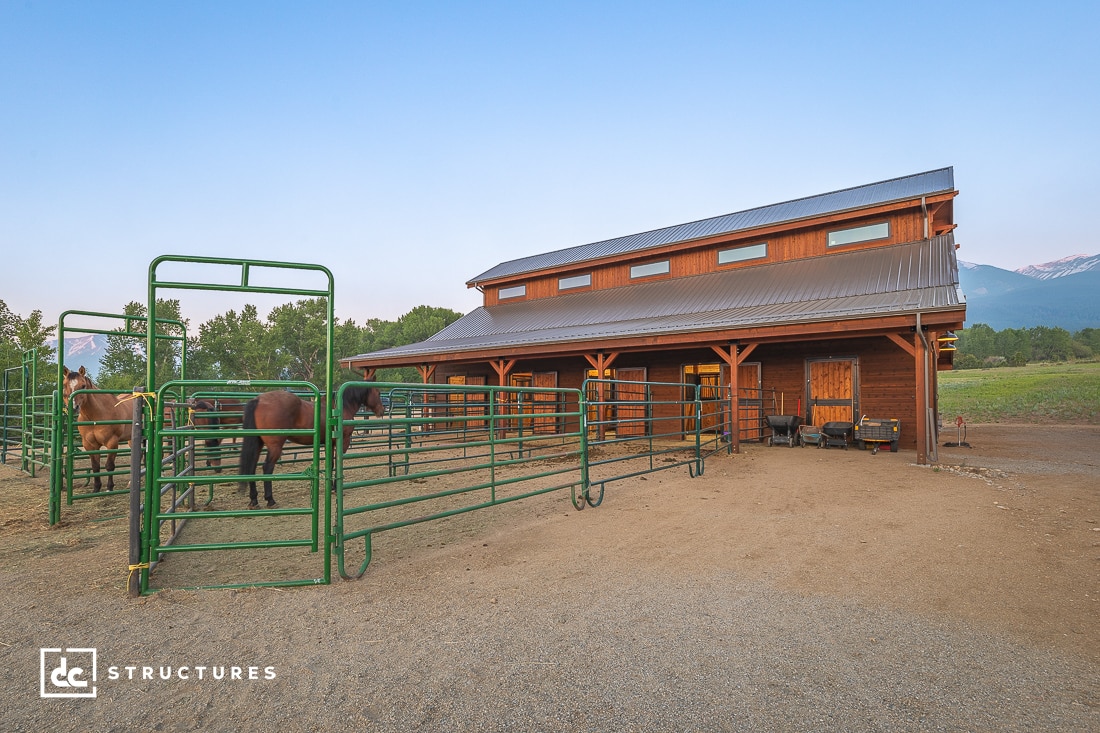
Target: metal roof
{"points": [[895, 279], [872, 194]]}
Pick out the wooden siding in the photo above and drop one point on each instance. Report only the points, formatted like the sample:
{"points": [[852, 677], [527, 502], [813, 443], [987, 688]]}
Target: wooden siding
{"points": [[695, 258], [886, 376]]}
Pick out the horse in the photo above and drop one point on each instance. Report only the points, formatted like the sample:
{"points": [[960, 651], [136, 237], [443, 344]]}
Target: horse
{"points": [[215, 413], [96, 435], [287, 411]]}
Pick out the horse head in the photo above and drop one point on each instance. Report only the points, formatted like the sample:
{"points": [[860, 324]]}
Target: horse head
{"points": [[73, 381], [374, 401]]}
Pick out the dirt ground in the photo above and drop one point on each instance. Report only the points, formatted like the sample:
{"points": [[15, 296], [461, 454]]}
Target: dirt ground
{"points": [[964, 596]]}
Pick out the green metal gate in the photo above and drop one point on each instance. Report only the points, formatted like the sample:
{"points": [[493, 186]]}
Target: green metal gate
{"points": [[158, 529], [66, 456]]}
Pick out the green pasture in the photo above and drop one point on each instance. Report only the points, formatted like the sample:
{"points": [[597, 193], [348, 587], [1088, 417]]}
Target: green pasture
{"points": [[1067, 392]]}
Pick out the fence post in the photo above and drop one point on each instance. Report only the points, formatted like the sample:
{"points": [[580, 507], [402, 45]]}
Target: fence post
{"points": [[133, 580]]}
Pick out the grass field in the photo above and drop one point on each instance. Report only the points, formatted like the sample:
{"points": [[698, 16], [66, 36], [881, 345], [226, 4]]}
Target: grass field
{"points": [[1038, 393]]}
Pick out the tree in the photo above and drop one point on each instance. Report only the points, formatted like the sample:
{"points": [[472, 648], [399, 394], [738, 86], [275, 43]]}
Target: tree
{"points": [[1050, 344], [19, 335], [236, 346], [124, 361], [298, 331], [1090, 337], [978, 340]]}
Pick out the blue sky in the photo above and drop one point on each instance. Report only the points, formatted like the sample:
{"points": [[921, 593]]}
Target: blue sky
{"points": [[411, 146]]}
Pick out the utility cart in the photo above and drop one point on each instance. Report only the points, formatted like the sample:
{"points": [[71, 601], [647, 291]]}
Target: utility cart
{"points": [[877, 432]]}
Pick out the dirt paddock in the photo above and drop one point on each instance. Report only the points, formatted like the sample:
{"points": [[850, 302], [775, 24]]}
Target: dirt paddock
{"points": [[785, 589]]}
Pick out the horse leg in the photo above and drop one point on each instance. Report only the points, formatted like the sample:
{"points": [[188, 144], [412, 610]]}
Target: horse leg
{"points": [[97, 482], [112, 444], [273, 454], [89, 445]]}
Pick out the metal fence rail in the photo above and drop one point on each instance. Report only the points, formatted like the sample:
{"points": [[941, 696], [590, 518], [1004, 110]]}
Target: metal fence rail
{"points": [[641, 427], [11, 411], [471, 447], [173, 492]]}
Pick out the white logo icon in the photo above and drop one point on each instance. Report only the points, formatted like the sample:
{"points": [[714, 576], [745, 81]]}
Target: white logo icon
{"points": [[67, 672]]}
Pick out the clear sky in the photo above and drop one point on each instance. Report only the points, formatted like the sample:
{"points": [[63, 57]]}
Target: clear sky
{"points": [[409, 146]]}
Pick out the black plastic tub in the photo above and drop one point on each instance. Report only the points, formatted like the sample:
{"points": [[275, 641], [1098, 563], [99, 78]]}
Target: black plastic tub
{"points": [[837, 434], [784, 429]]}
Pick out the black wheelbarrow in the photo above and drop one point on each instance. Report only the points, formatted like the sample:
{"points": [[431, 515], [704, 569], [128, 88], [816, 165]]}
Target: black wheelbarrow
{"points": [[837, 434], [784, 429]]}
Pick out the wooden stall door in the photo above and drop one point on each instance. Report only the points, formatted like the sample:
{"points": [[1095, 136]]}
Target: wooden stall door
{"points": [[750, 418], [545, 402], [630, 399], [832, 391], [710, 394]]}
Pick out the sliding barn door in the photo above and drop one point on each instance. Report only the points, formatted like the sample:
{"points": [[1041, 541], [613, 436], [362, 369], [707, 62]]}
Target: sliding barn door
{"points": [[832, 390]]}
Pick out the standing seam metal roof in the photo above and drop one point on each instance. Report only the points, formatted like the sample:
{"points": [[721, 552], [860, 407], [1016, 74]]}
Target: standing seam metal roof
{"points": [[901, 278], [873, 194]]}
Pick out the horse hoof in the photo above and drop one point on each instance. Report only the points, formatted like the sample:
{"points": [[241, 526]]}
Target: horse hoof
{"points": [[253, 506], [271, 505]]}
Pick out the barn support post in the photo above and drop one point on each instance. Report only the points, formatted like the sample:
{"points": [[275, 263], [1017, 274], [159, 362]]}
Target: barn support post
{"points": [[733, 355], [503, 367], [920, 350], [427, 372], [601, 362]]}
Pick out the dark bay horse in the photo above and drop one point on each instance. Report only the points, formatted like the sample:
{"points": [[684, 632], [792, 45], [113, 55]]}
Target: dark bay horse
{"points": [[96, 435], [287, 411], [215, 412]]}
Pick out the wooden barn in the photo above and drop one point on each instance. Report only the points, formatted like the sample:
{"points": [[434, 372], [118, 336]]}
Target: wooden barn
{"points": [[836, 306]]}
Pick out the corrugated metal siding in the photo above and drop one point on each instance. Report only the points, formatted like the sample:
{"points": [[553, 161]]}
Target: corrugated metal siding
{"points": [[897, 189], [885, 280]]}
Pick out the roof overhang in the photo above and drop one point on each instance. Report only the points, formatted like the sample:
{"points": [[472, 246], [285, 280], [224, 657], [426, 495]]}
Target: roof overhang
{"points": [[863, 292]]}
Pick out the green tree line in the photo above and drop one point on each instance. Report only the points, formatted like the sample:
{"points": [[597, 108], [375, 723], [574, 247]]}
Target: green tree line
{"points": [[288, 344], [980, 346]]}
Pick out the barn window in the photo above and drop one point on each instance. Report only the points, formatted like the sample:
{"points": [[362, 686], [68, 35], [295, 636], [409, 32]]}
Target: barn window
{"points": [[517, 291], [577, 281], [650, 268], [859, 234], [740, 254]]}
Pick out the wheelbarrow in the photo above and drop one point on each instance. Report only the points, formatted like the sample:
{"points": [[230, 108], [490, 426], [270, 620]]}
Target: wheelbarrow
{"points": [[784, 429], [837, 434], [810, 435]]}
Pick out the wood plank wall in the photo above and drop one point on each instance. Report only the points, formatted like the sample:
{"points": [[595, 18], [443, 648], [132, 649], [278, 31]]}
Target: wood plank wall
{"points": [[886, 375], [796, 244]]}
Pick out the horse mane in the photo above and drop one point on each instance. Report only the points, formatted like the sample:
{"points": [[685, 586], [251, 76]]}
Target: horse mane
{"points": [[355, 396]]}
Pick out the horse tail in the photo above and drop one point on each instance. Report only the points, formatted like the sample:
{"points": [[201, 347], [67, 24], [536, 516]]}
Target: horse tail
{"points": [[250, 444]]}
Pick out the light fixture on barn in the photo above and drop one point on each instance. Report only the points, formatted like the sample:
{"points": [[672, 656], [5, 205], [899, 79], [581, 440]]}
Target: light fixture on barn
{"points": [[947, 341]]}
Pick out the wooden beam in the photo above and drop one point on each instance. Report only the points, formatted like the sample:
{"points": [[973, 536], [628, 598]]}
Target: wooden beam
{"points": [[601, 361], [368, 374], [921, 362], [905, 345], [502, 367], [427, 372]]}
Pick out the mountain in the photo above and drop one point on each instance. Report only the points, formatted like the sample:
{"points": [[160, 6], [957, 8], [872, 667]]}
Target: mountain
{"points": [[83, 351], [1058, 294], [1060, 268]]}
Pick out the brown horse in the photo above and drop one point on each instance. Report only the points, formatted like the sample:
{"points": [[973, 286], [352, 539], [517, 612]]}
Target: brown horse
{"points": [[215, 413], [96, 435], [287, 411]]}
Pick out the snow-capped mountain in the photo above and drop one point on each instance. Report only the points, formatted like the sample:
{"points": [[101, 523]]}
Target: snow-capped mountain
{"points": [[83, 350], [1060, 268], [1057, 294]]}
